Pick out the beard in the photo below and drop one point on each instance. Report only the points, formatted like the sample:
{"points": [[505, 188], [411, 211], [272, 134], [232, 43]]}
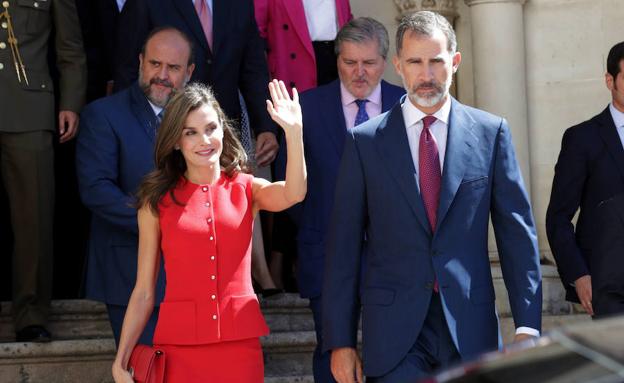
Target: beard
{"points": [[157, 98], [432, 98]]}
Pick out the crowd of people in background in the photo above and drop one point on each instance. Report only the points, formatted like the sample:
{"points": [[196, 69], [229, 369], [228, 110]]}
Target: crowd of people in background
{"points": [[380, 195]]}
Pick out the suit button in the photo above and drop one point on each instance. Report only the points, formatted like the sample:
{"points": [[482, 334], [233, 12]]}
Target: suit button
{"points": [[2, 45], [292, 84], [209, 220], [285, 26], [213, 297], [4, 25], [429, 285], [214, 317], [212, 257], [293, 56], [207, 203], [1, 66], [5, 4], [213, 277], [208, 61], [204, 189], [36, 5]]}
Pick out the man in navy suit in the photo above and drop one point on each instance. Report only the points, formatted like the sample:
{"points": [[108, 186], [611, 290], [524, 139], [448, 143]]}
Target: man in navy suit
{"points": [[415, 190], [114, 151], [229, 55], [329, 112], [590, 170]]}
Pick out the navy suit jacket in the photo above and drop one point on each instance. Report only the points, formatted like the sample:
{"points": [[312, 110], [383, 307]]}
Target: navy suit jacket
{"points": [[377, 195], [608, 258], [590, 169], [114, 150], [324, 133], [236, 61]]}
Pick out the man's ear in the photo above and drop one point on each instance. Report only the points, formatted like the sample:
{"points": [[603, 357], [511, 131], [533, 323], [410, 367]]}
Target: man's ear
{"points": [[609, 81], [456, 61], [397, 64]]}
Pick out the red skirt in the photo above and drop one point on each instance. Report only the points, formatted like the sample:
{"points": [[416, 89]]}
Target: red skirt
{"points": [[235, 361]]}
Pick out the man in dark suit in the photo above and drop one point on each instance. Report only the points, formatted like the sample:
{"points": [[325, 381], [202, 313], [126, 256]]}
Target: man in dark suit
{"points": [[114, 151], [590, 169], [98, 19], [229, 51], [608, 253], [27, 114], [329, 112], [415, 190]]}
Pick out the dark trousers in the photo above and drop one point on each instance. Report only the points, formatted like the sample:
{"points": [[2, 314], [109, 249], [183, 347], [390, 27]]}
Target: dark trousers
{"points": [[434, 349], [27, 166], [116, 314], [320, 361]]}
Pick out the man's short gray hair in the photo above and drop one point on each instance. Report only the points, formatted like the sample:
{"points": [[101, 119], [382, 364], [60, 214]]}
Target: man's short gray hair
{"points": [[425, 23], [362, 30]]}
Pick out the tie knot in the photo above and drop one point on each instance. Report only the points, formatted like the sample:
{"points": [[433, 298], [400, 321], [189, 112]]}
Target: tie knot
{"points": [[427, 121], [361, 103], [160, 115]]}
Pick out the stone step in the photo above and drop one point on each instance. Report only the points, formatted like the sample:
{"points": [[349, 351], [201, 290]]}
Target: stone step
{"points": [[84, 319], [287, 355]]}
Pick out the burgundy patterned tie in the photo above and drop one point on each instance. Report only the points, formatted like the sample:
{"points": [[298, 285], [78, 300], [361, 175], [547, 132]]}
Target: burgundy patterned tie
{"points": [[430, 176]]}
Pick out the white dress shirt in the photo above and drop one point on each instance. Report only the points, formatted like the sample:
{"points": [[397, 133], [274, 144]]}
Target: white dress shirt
{"points": [[439, 130], [414, 125], [157, 109], [618, 120], [120, 4], [321, 19]]}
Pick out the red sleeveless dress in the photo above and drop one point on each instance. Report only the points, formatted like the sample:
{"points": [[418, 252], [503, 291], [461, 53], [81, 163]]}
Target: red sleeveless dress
{"points": [[210, 319]]}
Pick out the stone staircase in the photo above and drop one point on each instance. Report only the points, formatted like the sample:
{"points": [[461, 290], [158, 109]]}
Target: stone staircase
{"points": [[83, 349]]}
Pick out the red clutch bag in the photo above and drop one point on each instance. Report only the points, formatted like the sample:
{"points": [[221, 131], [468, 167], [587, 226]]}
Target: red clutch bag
{"points": [[147, 364]]}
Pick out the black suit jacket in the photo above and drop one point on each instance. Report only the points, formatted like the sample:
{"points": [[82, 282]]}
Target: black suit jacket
{"points": [[98, 20], [608, 254], [236, 60], [590, 169]]}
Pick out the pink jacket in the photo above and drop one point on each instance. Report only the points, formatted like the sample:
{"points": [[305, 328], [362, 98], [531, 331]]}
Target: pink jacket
{"points": [[290, 54]]}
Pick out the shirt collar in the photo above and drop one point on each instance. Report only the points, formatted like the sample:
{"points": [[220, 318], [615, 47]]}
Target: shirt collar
{"points": [[618, 117], [157, 109], [412, 115], [347, 98]]}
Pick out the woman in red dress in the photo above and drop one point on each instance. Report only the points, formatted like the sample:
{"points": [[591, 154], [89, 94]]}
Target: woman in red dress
{"points": [[197, 209]]}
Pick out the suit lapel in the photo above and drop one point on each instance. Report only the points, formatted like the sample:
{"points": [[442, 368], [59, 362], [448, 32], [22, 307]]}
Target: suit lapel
{"points": [[143, 112], [298, 22], [395, 152], [458, 143], [333, 118], [608, 133], [387, 101], [187, 10]]}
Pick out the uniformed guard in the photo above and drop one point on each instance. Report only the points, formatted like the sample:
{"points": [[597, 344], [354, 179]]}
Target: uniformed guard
{"points": [[27, 124]]}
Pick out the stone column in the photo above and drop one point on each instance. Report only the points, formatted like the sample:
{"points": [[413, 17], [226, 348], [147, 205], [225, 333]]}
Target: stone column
{"points": [[500, 70]]}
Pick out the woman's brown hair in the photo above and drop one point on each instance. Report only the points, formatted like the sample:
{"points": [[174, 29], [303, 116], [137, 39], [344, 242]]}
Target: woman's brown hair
{"points": [[170, 164]]}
